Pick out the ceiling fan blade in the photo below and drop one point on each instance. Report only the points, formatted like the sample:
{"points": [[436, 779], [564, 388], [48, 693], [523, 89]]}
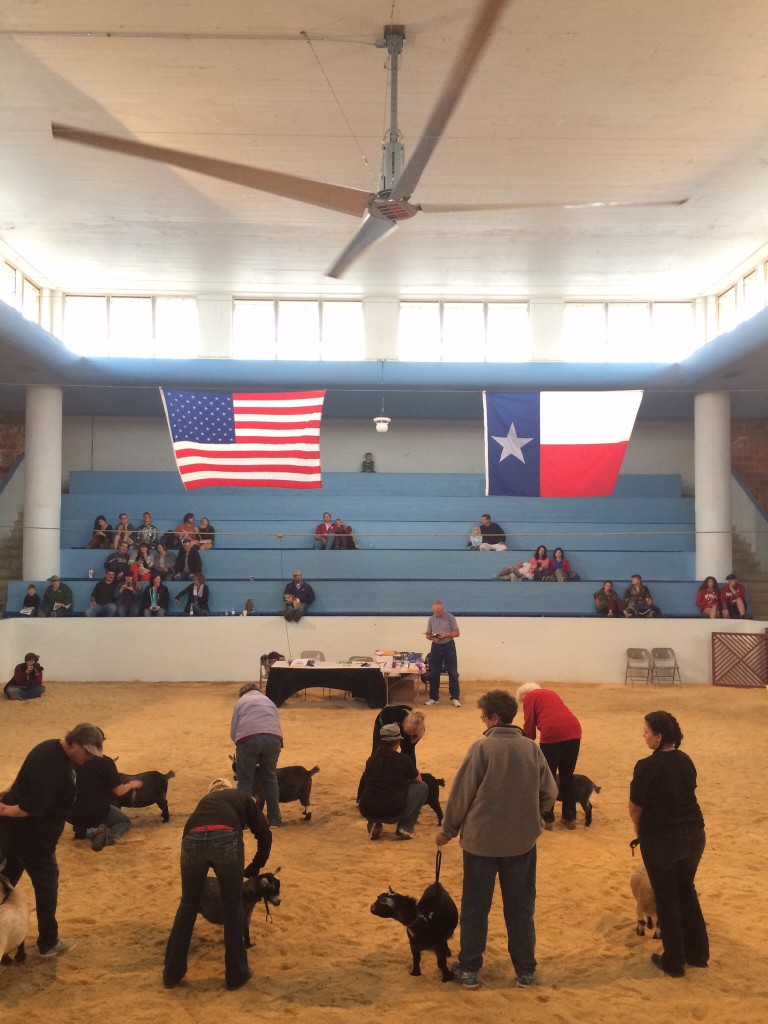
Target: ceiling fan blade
{"points": [[458, 77], [316, 193], [480, 207], [370, 231]]}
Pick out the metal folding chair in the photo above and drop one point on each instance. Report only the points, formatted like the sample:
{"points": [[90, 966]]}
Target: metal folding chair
{"points": [[638, 665], [664, 667]]}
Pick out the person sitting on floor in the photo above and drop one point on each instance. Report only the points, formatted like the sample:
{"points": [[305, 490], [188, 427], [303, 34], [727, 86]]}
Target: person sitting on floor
{"points": [[27, 682], [708, 598], [608, 602], [392, 790], [102, 535], [638, 602], [57, 599], [298, 595], [733, 599], [197, 596]]}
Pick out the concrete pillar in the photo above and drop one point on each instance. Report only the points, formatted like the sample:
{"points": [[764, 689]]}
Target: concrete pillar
{"points": [[42, 483], [712, 466]]}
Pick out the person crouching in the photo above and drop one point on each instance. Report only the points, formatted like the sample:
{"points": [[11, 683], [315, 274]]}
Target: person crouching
{"points": [[392, 790]]}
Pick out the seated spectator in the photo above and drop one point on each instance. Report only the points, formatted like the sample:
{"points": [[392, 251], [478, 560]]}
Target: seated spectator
{"points": [[123, 533], [147, 532], [297, 597], [207, 534], [475, 539], [708, 598], [341, 537], [27, 682], [608, 602], [733, 599], [187, 530], [324, 533], [155, 598], [368, 465], [392, 791], [165, 561], [103, 598], [142, 564], [128, 598], [31, 604], [102, 536], [540, 563], [494, 538], [188, 561], [534, 568], [559, 568], [515, 573], [197, 596], [638, 602], [57, 599], [119, 562]]}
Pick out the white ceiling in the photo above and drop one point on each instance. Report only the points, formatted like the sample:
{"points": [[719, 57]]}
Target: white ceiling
{"points": [[575, 100]]}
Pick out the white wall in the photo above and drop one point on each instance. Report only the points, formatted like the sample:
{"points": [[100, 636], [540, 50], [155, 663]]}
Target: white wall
{"points": [[582, 650], [410, 446]]}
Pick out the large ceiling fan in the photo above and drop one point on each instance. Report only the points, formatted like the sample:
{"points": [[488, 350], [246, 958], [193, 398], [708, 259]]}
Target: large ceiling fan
{"points": [[381, 211]]}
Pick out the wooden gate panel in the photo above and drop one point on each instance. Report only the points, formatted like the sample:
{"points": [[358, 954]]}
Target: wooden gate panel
{"points": [[740, 659]]}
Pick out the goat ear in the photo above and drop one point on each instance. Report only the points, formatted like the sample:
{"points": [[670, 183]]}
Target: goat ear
{"points": [[390, 890], [231, 757], [276, 871]]}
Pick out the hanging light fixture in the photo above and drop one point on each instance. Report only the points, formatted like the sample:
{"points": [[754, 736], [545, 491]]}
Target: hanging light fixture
{"points": [[382, 422]]}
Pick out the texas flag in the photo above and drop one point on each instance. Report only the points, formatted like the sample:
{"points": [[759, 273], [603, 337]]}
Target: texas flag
{"points": [[557, 444]]}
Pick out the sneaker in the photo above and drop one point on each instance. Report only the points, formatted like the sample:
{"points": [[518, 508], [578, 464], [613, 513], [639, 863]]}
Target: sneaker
{"points": [[62, 946], [376, 830], [524, 980], [430, 702], [100, 838], [456, 702], [403, 833], [467, 978]]}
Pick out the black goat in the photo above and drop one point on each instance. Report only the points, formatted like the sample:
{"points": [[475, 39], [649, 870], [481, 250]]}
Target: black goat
{"points": [[265, 887], [153, 791], [430, 923], [294, 783], [433, 794], [583, 789]]}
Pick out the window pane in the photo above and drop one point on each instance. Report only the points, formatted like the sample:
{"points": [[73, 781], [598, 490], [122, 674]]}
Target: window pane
{"points": [[754, 294], [343, 331], [85, 324], [8, 284], [463, 332], [176, 328], [629, 332], [31, 301], [130, 327], [508, 332], [298, 330], [253, 329], [584, 332], [418, 336], [726, 310], [673, 334]]}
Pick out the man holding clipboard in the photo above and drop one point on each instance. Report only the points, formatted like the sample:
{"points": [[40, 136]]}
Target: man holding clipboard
{"points": [[442, 631]]}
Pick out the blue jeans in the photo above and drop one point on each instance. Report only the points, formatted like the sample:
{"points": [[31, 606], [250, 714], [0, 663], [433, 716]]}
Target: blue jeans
{"points": [[517, 878], [23, 692], [293, 613], [222, 851], [262, 751], [442, 657], [95, 611], [30, 845], [324, 543], [671, 860]]}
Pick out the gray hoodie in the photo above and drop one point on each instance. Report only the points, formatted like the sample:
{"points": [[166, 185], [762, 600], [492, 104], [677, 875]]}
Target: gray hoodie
{"points": [[500, 792]]}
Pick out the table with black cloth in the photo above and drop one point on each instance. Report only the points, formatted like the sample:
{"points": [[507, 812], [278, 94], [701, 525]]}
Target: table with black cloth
{"points": [[364, 682]]}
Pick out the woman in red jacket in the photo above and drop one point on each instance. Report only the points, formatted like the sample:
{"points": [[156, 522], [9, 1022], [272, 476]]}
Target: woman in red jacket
{"points": [[708, 598], [559, 568], [559, 739]]}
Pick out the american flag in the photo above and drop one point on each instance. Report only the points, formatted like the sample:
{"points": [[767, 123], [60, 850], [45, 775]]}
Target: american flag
{"points": [[246, 440]]}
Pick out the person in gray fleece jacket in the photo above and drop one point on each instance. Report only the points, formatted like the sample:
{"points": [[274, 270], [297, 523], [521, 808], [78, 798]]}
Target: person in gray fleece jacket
{"points": [[500, 793]]}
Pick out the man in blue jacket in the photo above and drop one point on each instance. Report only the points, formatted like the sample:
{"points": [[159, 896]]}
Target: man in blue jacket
{"points": [[297, 597]]}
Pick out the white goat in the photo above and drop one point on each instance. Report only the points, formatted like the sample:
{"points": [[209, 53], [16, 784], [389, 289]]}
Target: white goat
{"points": [[14, 922], [646, 904]]}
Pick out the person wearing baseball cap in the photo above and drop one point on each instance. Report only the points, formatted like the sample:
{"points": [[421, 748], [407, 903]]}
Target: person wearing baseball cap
{"points": [[27, 682], [32, 816], [733, 598], [392, 791], [57, 599]]}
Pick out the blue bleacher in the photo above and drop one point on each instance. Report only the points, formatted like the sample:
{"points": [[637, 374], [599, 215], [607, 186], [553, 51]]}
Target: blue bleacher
{"points": [[412, 532]]}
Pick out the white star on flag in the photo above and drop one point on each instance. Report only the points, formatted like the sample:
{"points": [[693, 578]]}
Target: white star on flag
{"points": [[512, 444]]}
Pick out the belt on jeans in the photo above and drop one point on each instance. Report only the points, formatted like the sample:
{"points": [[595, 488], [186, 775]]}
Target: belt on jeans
{"points": [[212, 828]]}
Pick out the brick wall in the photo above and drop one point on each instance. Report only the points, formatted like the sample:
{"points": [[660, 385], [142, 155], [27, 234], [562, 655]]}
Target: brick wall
{"points": [[749, 456], [11, 440]]}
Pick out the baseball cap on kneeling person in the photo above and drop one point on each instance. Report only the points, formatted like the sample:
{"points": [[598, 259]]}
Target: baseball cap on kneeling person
{"points": [[90, 737], [390, 733]]}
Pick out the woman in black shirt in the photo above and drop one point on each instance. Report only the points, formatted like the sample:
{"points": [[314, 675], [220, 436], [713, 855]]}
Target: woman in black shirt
{"points": [[670, 827]]}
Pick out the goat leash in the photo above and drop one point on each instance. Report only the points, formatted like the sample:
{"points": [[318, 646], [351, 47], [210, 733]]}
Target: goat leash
{"points": [[438, 862]]}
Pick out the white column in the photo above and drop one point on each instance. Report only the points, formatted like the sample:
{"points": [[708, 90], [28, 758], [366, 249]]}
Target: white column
{"points": [[42, 486], [712, 459]]}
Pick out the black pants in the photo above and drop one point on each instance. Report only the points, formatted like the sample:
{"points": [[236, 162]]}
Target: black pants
{"points": [[29, 845], [671, 861], [561, 758]]}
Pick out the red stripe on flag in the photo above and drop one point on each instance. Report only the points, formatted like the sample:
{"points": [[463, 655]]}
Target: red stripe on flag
{"points": [[278, 396], [580, 470], [270, 470], [279, 451], [214, 481]]}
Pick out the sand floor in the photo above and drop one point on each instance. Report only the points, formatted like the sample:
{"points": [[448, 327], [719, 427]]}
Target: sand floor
{"points": [[325, 958]]}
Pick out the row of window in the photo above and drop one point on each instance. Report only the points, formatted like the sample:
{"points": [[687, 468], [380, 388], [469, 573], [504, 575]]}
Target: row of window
{"points": [[19, 292]]}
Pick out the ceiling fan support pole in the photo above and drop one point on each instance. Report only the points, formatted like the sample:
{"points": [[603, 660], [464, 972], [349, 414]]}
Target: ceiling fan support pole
{"points": [[392, 154]]}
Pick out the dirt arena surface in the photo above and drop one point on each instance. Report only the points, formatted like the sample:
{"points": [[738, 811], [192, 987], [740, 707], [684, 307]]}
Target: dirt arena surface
{"points": [[325, 957]]}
